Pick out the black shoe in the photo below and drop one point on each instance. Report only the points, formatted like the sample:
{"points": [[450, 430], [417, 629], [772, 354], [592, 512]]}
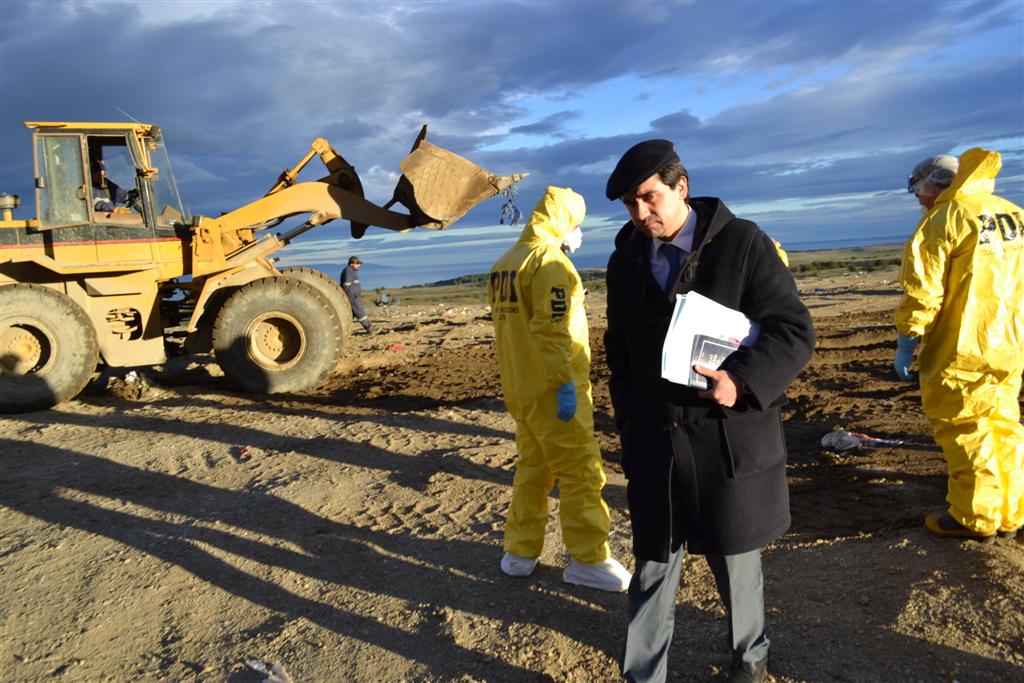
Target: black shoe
{"points": [[747, 672], [1012, 533], [945, 526]]}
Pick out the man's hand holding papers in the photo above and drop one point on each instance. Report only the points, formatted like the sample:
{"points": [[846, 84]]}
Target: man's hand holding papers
{"points": [[700, 337], [724, 387]]}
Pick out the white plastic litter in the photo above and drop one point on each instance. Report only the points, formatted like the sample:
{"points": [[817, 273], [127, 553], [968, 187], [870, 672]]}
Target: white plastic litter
{"points": [[275, 673], [137, 379]]}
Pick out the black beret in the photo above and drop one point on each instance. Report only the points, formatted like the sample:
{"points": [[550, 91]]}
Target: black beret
{"points": [[638, 164]]}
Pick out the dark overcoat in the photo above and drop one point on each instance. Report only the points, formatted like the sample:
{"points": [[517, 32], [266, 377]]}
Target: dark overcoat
{"points": [[712, 477]]}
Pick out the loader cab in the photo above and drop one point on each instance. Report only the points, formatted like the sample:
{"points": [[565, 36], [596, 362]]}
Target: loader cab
{"points": [[134, 159]]}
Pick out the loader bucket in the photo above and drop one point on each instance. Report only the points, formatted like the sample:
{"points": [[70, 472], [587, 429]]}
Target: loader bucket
{"points": [[438, 187]]}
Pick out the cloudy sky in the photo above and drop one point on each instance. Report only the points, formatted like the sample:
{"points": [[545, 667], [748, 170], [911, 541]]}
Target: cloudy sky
{"points": [[804, 116]]}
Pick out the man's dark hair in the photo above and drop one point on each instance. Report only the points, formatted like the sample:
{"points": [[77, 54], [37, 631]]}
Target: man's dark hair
{"points": [[671, 173]]}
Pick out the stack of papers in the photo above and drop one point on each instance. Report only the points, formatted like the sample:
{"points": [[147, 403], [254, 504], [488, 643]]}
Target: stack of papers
{"points": [[702, 332]]}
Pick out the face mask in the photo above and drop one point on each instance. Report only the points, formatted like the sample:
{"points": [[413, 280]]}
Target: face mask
{"points": [[573, 240]]}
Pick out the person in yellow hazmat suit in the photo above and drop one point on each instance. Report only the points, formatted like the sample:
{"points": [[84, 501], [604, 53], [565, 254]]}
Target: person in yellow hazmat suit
{"points": [[781, 252], [543, 350], [963, 278]]}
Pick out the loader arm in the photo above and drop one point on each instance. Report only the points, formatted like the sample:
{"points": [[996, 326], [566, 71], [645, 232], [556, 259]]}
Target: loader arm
{"points": [[342, 173], [437, 187]]}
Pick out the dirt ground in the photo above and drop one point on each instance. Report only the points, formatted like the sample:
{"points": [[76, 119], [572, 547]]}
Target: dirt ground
{"points": [[186, 531]]}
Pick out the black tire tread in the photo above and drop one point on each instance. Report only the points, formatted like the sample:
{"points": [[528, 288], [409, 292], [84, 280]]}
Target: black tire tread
{"points": [[329, 286], [77, 349], [275, 293]]}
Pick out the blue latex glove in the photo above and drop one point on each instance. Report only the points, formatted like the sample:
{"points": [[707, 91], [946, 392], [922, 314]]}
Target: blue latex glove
{"points": [[566, 396], [904, 356]]}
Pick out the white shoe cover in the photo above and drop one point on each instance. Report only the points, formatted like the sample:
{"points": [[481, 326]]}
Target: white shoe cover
{"points": [[604, 576], [516, 565]]}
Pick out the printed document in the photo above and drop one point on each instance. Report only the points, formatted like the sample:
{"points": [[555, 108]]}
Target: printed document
{"points": [[702, 332]]}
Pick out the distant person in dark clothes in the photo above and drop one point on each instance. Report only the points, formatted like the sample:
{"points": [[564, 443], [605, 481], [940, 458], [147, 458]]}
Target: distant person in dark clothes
{"points": [[705, 470], [383, 298], [350, 283]]}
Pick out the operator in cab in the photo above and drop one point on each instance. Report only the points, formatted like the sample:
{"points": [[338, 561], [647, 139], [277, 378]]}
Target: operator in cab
{"points": [[106, 194]]}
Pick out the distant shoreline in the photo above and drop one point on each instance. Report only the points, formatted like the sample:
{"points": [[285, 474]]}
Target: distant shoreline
{"points": [[866, 257]]}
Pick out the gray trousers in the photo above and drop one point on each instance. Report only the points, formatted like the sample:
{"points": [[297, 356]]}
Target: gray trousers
{"points": [[652, 611], [358, 313]]}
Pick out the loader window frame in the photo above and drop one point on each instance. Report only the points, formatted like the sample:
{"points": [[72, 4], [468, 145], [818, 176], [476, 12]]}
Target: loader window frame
{"points": [[169, 211], [62, 193]]}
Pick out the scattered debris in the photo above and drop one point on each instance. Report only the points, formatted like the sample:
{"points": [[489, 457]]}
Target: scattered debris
{"points": [[245, 453], [396, 347], [275, 673], [842, 440], [510, 213], [133, 387]]}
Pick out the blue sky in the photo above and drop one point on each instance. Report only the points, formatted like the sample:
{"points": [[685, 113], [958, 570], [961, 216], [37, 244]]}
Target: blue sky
{"points": [[804, 116]]}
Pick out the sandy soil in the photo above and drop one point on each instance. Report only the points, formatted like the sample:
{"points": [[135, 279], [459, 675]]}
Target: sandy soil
{"points": [[186, 531]]}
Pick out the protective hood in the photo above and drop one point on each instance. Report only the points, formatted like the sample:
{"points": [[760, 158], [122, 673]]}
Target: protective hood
{"points": [[555, 215], [977, 173]]}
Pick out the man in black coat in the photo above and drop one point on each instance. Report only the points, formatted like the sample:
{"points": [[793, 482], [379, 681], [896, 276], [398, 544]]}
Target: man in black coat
{"points": [[705, 468]]}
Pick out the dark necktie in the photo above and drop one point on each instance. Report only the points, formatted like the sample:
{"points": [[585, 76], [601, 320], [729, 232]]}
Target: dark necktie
{"points": [[675, 259]]}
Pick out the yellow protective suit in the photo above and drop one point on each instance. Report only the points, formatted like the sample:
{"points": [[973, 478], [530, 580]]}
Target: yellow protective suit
{"points": [[782, 252], [542, 342], [963, 277]]}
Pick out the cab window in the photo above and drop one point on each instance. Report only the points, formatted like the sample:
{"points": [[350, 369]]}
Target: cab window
{"points": [[60, 181], [112, 179]]}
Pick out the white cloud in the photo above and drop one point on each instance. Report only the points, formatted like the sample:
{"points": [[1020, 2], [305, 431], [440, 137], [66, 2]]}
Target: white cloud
{"points": [[188, 171]]}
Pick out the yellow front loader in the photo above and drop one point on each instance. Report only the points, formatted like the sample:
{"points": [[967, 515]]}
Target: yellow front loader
{"points": [[90, 280]]}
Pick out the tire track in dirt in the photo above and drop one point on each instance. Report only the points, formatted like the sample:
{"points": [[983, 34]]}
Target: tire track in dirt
{"points": [[353, 532], [847, 385]]}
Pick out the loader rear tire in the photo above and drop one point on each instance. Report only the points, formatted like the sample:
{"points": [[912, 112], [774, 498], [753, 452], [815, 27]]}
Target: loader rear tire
{"points": [[275, 335], [48, 349], [331, 290]]}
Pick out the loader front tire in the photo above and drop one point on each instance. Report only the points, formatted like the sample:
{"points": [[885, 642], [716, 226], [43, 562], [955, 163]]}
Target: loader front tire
{"points": [[48, 349], [276, 335], [331, 290]]}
